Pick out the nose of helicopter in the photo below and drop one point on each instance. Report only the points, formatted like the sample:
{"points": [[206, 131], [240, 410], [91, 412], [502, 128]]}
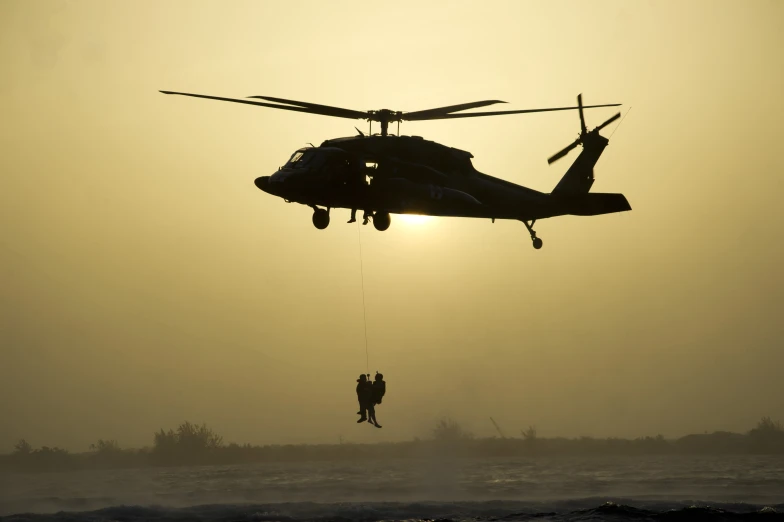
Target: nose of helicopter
{"points": [[263, 183]]}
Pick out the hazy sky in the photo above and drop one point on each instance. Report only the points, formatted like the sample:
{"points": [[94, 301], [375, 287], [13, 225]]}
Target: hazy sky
{"points": [[144, 279]]}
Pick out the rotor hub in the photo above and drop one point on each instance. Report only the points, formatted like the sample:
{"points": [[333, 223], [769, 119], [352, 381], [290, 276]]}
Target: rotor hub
{"points": [[384, 117]]}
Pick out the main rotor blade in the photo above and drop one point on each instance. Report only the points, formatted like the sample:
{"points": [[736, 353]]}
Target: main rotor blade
{"points": [[499, 113], [336, 114], [603, 125], [563, 152], [429, 113], [349, 113]]}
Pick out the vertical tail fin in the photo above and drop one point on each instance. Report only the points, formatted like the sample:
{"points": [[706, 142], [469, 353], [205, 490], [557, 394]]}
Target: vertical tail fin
{"points": [[579, 178]]}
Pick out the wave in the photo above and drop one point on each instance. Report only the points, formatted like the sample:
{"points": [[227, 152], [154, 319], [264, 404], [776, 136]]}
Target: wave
{"points": [[585, 509]]}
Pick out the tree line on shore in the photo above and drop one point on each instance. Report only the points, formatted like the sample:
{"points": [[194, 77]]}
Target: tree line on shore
{"points": [[192, 444]]}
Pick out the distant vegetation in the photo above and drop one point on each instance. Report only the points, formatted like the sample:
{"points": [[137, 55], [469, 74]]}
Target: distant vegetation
{"points": [[192, 444]]}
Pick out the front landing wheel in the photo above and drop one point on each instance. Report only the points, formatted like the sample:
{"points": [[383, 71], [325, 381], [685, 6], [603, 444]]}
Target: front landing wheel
{"points": [[320, 218], [537, 243], [381, 220]]}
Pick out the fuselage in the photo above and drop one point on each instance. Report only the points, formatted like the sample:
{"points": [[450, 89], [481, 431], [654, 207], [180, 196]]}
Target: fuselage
{"points": [[408, 175]]}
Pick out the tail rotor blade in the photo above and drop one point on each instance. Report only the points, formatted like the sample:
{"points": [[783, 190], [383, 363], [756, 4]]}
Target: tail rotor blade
{"points": [[603, 125], [563, 152], [582, 117]]}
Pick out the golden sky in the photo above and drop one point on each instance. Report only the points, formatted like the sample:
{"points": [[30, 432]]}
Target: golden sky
{"points": [[145, 280]]}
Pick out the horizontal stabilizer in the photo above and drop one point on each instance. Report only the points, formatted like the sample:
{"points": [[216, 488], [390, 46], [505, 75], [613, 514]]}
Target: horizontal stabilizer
{"points": [[594, 204]]}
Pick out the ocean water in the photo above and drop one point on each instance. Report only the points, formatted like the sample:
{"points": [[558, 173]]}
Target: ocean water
{"points": [[568, 488]]}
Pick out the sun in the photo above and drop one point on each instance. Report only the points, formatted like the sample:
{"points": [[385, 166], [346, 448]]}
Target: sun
{"points": [[414, 219]]}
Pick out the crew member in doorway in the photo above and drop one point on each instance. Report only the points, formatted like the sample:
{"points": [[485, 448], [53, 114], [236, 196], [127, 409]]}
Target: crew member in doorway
{"points": [[356, 181]]}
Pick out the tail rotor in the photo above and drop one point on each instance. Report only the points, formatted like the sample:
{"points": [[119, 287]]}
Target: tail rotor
{"points": [[584, 133]]}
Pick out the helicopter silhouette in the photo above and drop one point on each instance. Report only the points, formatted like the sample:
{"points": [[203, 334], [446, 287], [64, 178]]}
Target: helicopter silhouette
{"points": [[384, 174]]}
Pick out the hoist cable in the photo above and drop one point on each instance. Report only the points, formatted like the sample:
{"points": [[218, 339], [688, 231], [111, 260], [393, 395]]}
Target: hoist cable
{"points": [[364, 308]]}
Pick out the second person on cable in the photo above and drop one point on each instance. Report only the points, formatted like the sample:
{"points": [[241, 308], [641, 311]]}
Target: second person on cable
{"points": [[369, 394]]}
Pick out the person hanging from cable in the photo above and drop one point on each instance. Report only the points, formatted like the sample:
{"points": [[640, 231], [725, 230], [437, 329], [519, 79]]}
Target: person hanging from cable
{"points": [[379, 388], [365, 398], [371, 405]]}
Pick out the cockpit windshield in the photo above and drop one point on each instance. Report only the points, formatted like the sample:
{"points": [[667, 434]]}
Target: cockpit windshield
{"points": [[299, 159]]}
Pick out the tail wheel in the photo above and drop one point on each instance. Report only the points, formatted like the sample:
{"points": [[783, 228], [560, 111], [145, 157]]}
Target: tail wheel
{"points": [[536, 241], [320, 218], [382, 220]]}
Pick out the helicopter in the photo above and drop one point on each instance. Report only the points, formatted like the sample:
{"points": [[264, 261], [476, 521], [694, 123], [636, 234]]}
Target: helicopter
{"points": [[384, 174]]}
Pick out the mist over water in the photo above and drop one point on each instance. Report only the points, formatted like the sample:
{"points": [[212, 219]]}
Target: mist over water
{"points": [[410, 488]]}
